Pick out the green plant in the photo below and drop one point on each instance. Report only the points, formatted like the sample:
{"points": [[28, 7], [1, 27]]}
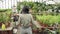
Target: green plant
{"points": [[2, 18], [5, 16], [48, 19], [35, 6]]}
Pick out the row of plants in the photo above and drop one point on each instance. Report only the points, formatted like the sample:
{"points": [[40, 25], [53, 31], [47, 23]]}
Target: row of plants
{"points": [[36, 6], [48, 19], [5, 17]]}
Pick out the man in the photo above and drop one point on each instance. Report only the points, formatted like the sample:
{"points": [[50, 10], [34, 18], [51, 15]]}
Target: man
{"points": [[25, 21], [14, 18]]}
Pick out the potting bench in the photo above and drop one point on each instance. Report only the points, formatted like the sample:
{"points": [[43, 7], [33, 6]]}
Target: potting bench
{"points": [[8, 30]]}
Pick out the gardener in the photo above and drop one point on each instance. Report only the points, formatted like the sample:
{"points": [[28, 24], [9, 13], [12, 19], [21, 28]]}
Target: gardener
{"points": [[14, 18], [25, 21], [14, 14]]}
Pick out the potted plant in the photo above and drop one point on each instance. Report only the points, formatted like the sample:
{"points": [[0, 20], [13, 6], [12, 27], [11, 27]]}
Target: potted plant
{"points": [[4, 19], [7, 19]]}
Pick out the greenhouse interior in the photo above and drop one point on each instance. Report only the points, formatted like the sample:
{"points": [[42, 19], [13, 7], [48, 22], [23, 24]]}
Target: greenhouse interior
{"points": [[29, 16]]}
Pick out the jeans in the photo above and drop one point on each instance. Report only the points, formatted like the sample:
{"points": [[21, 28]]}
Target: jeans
{"points": [[25, 30]]}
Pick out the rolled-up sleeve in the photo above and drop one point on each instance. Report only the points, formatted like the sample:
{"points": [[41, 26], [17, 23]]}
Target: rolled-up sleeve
{"points": [[35, 22]]}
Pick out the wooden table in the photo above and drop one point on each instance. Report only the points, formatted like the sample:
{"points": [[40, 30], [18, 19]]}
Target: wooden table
{"points": [[9, 30]]}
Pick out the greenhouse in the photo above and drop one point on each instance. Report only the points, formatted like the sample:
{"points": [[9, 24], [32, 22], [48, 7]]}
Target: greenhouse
{"points": [[29, 16]]}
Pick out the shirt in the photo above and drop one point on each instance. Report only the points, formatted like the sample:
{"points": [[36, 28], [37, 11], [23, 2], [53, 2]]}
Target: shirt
{"points": [[25, 20]]}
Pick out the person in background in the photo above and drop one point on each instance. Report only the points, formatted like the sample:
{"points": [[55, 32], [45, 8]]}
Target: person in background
{"points": [[14, 18], [14, 10], [14, 14], [25, 21]]}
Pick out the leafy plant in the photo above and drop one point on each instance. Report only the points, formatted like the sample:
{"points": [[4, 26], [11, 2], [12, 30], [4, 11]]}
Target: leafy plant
{"points": [[48, 19], [35, 6], [5, 16]]}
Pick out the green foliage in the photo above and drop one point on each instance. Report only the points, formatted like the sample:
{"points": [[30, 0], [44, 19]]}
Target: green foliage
{"points": [[48, 19], [2, 19], [5, 16], [4, 10], [35, 6]]}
